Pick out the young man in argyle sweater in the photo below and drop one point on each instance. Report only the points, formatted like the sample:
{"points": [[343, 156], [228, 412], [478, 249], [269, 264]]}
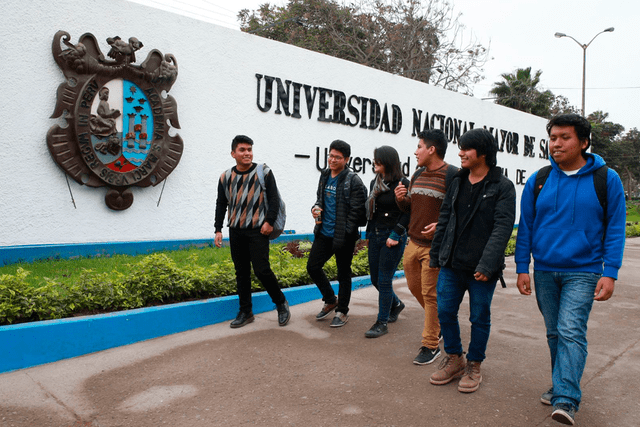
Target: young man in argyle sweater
{"points": [[250, 224]]}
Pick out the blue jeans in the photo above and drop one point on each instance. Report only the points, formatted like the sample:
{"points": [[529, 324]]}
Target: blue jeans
{"points": [[383, 263], [452, 284], [565, 300]]}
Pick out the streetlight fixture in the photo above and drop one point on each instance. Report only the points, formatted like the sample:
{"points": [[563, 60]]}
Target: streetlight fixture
{"points": [[584, 56]]}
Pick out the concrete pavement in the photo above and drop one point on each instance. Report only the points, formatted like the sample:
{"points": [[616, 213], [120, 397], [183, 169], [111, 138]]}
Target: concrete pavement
{"points": [[308, 374]]}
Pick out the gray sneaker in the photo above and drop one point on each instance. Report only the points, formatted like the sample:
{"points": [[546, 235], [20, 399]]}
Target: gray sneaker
{"points": [[426, 356], [547, 396], [339, 320], [564, 413]]}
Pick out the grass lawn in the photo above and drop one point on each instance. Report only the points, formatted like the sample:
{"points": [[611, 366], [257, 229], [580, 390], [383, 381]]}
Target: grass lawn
{"points": [[68, 271]]}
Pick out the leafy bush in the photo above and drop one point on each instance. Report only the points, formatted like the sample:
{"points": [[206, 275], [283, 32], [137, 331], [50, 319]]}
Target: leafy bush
{"points": [[633, 230], [154, 279]]}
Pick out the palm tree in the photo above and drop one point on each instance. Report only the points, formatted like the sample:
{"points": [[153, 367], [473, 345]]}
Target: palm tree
{"points": [[519, 91]]}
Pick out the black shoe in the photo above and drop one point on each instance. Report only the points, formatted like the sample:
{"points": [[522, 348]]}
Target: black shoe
{"points": [[564, 413], [242, 319], [426, 356], [283, 313], [339, 320], [377, 330], [326, 310], [395, 311], [547, 396]]}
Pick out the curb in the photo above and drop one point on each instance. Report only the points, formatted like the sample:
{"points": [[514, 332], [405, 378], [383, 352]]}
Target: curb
{"points": [[36, 343]]}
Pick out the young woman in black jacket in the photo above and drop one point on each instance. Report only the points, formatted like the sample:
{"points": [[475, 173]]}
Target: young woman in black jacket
{"points": [[387, 234]]}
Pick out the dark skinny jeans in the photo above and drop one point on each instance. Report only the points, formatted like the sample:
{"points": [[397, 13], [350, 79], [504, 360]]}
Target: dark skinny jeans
{"points": [[383, 263], [321, 251], [250, 247]]}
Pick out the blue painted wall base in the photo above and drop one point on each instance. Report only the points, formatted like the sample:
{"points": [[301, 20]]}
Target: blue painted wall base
{"points": [[37, 343]]}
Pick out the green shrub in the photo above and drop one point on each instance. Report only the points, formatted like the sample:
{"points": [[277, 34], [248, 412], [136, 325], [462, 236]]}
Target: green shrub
{"points": [[633, 230], [16, 297]]}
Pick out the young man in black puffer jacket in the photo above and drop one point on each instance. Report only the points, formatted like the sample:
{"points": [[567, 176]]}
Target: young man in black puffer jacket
{"points": [[339, 210]]}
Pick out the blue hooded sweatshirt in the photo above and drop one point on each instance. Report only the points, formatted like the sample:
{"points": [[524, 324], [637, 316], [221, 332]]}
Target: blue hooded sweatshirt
{"points": [[565, 233]]}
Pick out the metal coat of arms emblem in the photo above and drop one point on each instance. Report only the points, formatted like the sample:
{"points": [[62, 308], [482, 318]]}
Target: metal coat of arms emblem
{"points": [[118, 132]]}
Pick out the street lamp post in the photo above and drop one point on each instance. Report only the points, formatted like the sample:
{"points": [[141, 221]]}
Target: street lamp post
{"points": [[584, 56]]}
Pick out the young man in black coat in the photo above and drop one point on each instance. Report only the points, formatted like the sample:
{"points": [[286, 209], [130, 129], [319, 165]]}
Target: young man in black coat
{"points": [[475, 223]]}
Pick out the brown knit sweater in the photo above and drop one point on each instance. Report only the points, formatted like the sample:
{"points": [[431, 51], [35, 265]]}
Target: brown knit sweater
{"points": [[424, 199]]}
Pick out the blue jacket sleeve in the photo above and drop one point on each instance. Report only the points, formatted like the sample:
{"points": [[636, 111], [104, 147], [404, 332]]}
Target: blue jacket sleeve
{"points": [[525, 227], [616, 225]]}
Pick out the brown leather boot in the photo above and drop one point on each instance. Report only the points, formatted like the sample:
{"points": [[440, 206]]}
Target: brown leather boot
{"points": [[471, 379], [452, 366]]}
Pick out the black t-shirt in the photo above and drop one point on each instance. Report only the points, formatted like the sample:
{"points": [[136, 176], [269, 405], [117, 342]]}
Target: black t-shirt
{"points": [[467, 198]]}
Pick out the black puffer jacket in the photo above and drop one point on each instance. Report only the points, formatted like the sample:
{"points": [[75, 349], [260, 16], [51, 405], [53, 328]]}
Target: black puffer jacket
{"points": [[485, 234], [351, 213]]}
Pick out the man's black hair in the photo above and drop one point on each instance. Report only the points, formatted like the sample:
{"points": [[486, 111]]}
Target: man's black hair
{"points": [[483, 142], [342, 147], [435, 138], [579, 123], [240, 139]]}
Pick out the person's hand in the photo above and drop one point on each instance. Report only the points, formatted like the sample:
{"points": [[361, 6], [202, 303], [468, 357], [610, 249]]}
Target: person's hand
{"points": [[429, 230], [524, 283], [218, 240], [400, 191], [391, 243], [480, 277], [266, 228], [316, 211], [604, 289]]}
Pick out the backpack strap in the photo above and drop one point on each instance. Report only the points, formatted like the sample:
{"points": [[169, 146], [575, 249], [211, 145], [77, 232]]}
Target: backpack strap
{"points": [[451, 171], [600, 183], [541, 178], [225, 184], [415, 176], [347, 185], [260, 173]]}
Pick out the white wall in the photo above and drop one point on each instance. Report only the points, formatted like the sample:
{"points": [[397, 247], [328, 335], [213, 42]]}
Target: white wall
{"points": [[216, 93]]}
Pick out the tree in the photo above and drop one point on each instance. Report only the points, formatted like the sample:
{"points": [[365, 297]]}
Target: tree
{"points": [[519, 90], [419, 39], [561, 106], [620, 151], [628, 159], [604, 135]]}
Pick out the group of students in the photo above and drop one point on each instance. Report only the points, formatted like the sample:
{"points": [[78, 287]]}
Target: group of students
{"points": [[457, 223]]}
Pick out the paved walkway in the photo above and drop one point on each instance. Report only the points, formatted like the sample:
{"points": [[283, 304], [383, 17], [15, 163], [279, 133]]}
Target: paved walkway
{"points": [[307, 374]]}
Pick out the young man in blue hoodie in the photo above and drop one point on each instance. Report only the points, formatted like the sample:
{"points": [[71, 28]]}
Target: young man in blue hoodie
{"points": [[576, 250]]}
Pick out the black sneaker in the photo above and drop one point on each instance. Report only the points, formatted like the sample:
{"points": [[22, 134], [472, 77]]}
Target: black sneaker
{"points": [[377, 330], [547, 396], [340, 320], [564, 413], [326, 310], [426, 356], [283, 313], [242, 319], [395, 311]]}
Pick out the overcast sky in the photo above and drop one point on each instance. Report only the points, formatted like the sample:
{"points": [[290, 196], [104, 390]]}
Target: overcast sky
{"points": [[520, 34]]}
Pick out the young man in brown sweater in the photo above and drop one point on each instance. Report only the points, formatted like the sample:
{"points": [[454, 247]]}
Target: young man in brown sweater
{"points": [[423, 199]]}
